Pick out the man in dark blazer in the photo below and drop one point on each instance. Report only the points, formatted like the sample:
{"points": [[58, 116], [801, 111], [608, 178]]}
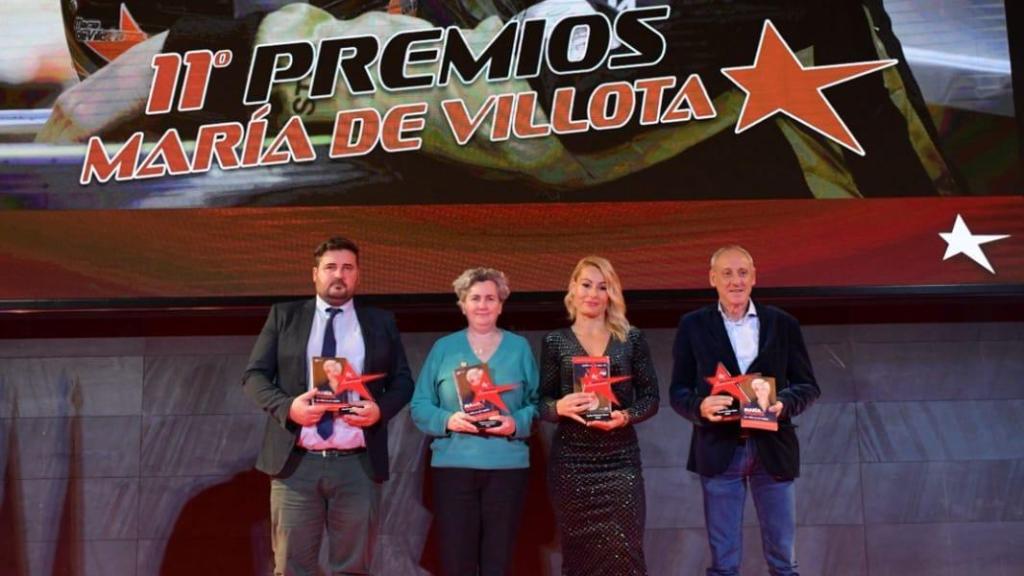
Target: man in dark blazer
{"points": [[326, 468], [745, 339]]}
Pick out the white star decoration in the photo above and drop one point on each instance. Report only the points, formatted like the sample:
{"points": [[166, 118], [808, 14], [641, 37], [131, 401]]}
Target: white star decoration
{"points": [[961, 241]]}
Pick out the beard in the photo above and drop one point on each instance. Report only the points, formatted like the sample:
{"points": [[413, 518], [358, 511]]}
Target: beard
{"points": [[339, 292]]}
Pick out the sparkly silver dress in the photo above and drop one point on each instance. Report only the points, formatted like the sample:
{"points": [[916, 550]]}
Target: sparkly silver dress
{"points": [[596, 479]]}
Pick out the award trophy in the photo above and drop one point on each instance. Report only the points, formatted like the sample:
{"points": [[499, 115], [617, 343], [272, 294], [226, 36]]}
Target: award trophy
{"points": [[592, 374], [480, 397], [760, 392], [335, 380], [726, 384]]}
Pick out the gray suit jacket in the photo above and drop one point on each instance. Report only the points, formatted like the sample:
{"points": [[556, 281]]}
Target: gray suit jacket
{"points": [[278, 372]]}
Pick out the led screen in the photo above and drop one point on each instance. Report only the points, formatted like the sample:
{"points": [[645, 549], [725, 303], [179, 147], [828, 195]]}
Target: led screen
{"points": [[202, 149]]}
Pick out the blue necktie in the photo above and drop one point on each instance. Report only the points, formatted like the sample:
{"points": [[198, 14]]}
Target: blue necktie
{"points": [[325, 427]]}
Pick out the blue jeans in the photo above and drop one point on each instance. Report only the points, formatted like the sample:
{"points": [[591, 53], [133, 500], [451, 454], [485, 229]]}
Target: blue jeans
{"points": [[775, 500]]}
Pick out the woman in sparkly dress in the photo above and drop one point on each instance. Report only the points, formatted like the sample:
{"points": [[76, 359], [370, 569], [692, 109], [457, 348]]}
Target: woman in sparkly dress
{"points": [[596, 479]]}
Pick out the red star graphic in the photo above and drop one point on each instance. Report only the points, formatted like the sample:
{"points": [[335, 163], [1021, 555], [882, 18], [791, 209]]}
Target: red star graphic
{"points": [[128, 35], [594, 381], [778, 82], [485, 391], [724, 383], [351, 380]]}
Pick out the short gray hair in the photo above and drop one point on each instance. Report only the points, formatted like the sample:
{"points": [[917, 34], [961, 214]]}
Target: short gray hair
{"points": [[465, 281], [731, 248]]}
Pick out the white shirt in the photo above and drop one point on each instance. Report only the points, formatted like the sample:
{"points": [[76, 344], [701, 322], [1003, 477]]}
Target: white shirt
{"points": [[350, 346], [743, 335]]}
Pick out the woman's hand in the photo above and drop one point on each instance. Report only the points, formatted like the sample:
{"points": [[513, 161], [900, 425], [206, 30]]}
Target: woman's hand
{"points": [[572, 405], [619, 419], [507, 427], [462, 422]]}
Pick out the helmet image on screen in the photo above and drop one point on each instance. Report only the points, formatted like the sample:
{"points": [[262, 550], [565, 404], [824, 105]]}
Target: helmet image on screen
{"points": [[99, 30]]}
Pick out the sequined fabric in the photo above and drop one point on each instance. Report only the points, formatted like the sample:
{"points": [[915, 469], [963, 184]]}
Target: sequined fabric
{"points": [[596, 479]]}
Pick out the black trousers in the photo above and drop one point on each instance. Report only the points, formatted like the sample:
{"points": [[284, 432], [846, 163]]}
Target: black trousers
{"points": [[477, 514]]}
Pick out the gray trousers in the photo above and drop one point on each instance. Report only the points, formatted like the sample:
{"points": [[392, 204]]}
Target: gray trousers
{"points": [[336, 493]]}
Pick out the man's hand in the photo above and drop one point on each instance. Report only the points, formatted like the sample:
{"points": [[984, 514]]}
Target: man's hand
{"points": [[365, 413], [507, 428], [303, 412], [776, 409], [713, 404], [572, 405], [619, 419], [462, 422]]}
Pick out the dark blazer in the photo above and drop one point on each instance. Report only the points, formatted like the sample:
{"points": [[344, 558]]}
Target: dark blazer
{"points": [[278, 371], [701, 343]]}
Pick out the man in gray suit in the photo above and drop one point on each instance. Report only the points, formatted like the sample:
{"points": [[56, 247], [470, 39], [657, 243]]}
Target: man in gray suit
{"points": [[326, 467]]}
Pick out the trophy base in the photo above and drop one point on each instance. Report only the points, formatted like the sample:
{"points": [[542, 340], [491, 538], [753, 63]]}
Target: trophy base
{"points": [[328, 400], [334, 404], [484, 424], [729, 414], [481, 414], [599, 416]]}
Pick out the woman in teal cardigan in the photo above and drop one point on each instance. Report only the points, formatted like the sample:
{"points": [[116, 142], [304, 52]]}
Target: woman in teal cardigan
{"points": [[479, 468]]}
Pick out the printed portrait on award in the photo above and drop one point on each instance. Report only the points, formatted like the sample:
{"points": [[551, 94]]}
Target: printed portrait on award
{"points": [[337, 384], [481, 398], [760, 393], [592, 374]]}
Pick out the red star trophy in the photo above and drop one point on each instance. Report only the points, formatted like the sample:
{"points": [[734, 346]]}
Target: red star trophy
{"points": [[723, 383], [593, 374], [335, 381], [480, 397]]}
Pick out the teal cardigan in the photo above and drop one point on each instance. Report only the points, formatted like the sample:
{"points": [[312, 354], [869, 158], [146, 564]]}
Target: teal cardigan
{"points": [[436, 399]]}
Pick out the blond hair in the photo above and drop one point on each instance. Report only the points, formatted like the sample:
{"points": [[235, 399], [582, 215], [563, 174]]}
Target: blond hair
{"points": [[615, 314]]}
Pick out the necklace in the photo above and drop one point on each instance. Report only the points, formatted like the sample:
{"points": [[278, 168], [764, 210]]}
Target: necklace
{"points": [[484, 344]]}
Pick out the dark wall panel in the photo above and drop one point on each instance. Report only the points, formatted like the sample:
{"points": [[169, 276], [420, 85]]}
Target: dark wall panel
{"points": [[134, 456]]}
